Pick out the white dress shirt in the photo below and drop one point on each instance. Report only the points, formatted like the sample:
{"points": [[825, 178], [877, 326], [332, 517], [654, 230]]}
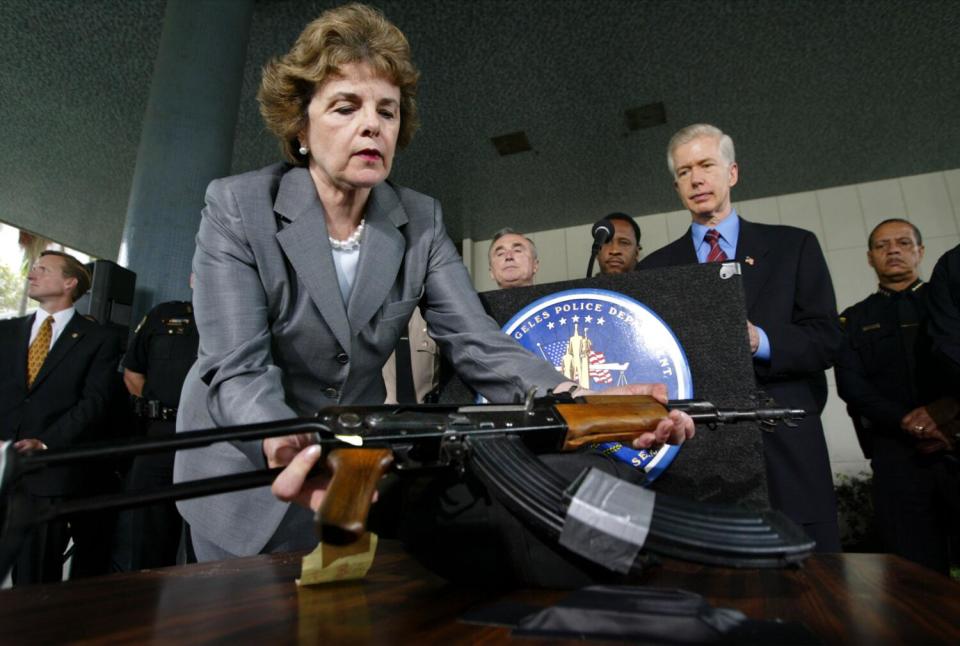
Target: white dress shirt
{"points": [[60, 320]]}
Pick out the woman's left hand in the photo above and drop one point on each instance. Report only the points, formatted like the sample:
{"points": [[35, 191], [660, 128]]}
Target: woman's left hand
{"points": [[280, 451], [292, 485]]}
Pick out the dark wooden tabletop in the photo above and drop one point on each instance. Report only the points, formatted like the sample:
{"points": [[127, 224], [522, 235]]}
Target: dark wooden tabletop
{"points": [[843, 598]]}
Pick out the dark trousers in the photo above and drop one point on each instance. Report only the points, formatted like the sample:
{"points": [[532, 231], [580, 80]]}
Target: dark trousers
{"points": [[93, 540], [148, 537], [42, 554], [915, 500], [827, 536]]}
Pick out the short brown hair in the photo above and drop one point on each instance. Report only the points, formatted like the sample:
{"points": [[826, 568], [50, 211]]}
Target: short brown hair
{"points": [[72, 268], [353, 33]]}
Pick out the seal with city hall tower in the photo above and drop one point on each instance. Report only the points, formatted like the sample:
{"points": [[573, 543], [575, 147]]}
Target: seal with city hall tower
{"points": [[600, 338]]}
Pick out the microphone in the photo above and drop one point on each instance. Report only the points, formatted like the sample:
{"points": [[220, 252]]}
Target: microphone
{"points": [[602, 231]]}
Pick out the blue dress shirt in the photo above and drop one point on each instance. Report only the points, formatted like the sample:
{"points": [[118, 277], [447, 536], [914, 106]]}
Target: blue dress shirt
{"points": [[729, 230]]}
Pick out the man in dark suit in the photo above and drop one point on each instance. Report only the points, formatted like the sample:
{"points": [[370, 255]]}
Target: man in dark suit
{"points": [[792, 318], [59, 376]]}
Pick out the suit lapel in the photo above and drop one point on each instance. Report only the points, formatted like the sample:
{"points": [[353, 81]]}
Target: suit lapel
{"points": [[381, 255], [755, 267], [304, 239], [76, 329], [683, 251], [21, 344]]}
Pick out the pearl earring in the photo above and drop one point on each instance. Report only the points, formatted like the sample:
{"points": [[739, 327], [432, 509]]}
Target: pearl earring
{"points": [[304, 150]]}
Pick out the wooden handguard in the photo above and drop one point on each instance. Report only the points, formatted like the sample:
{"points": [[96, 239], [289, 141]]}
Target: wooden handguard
{"points": [[342, 517], [609, 418]]}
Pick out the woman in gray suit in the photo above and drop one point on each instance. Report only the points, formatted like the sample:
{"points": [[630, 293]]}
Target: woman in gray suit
{"points": [[307, 271]]}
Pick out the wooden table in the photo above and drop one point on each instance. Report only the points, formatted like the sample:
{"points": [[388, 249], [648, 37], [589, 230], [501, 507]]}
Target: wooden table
{"points": [[843, 598]]}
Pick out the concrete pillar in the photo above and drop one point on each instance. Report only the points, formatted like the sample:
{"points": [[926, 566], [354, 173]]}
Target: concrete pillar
{"points": [[187, 140]]}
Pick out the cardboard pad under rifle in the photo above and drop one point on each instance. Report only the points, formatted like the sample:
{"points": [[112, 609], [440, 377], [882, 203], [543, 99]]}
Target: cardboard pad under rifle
{"points": [[330, 563]]}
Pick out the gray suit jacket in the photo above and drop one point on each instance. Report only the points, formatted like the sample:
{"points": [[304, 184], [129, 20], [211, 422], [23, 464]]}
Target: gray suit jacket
{"points": [[277, 340]]}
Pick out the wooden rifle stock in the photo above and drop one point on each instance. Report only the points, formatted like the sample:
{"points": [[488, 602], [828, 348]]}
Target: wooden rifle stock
{"points": [[342, 516]]}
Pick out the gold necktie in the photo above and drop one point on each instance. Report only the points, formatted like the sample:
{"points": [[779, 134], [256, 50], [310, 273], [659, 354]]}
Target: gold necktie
{"points": [[38, 350]]}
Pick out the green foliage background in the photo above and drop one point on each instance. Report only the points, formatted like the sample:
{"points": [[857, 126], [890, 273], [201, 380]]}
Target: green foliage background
{"points": [[11, 286]]}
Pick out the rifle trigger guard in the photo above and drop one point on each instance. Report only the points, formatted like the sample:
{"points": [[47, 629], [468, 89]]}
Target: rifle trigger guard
{"points": [[454, 452]]}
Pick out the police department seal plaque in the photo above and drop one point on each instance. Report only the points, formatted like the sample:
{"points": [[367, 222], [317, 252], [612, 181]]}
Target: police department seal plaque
{"points": [[600, 339]]}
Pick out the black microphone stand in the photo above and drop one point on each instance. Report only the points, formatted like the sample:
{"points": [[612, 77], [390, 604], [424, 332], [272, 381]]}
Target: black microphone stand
{"points": [[593, 256]]}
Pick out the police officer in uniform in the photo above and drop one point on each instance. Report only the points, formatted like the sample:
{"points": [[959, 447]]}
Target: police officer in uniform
{"points": [[163, 349], [884, 374]]}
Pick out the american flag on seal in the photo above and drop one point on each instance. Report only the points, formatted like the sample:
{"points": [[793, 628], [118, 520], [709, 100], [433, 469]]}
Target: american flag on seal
{"points": [[599, 375], [553, 352]]}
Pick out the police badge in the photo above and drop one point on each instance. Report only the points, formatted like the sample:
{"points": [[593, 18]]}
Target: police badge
{"points": [[599, 338]]}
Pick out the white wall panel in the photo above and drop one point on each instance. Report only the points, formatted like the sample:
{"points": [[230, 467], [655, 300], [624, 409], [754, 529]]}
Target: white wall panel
{"points": [[841, 217], [852, 277], [802, 210], [880, 201], [552, 250], [653, 233], [765, 210], [468, 254], [929, 205], [578, 250], [952, 178], [677, 223], [481, 267]]}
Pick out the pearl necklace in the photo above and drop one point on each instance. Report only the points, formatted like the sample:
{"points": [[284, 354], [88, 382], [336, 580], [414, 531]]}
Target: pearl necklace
{"points": [[352, 242]]}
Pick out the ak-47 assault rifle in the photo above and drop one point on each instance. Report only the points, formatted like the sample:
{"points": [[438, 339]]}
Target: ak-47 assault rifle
{"points": [[498, 443]]}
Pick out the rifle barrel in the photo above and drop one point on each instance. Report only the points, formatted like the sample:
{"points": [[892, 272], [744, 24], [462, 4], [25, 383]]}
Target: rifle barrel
{"points": [[187, 440]]}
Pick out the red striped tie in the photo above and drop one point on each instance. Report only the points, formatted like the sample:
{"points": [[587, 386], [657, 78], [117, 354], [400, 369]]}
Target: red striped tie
{"points": [[716, 253]]}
